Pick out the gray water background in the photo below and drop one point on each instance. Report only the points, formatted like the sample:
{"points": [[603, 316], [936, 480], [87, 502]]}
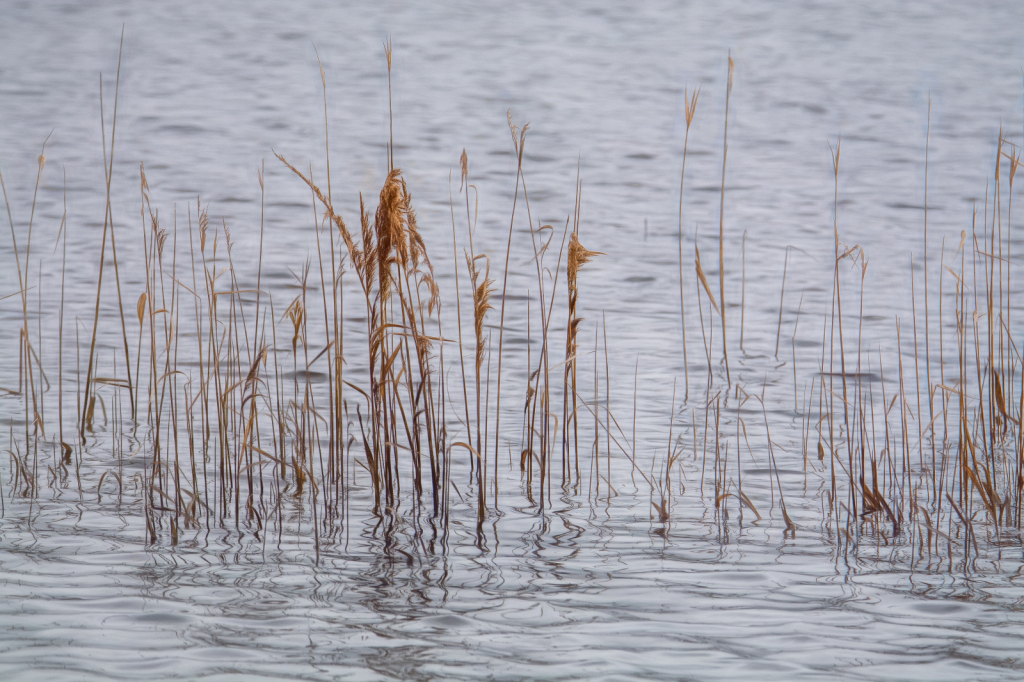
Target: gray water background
{"points": [[588, 592]]}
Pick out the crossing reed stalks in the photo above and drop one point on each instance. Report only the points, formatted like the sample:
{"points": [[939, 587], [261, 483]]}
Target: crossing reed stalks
{"points": [[214, 417]]}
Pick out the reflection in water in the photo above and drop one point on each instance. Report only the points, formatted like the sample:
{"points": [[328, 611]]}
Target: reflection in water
{"points": [[549, 596]]}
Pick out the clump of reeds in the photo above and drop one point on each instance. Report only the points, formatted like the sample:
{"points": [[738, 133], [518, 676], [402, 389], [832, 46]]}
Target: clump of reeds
{"points": [[213, 419]]}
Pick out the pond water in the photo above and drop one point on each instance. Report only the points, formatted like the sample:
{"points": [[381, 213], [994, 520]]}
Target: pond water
{"points": [[592, 586]]}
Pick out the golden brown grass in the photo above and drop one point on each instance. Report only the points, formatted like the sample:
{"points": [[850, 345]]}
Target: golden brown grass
{"points": [[229, 428]]}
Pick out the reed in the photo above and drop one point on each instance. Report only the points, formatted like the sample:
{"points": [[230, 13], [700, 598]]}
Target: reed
{"points": [[721, 224], [690, 107], [482, 287], [519, 146], [578, 257]]}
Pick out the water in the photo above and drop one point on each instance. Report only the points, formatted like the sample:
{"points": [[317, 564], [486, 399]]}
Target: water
{"points": [[591, 590]]}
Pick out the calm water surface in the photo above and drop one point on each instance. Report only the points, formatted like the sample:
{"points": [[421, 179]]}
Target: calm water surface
{"points": [[591, 589]]}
